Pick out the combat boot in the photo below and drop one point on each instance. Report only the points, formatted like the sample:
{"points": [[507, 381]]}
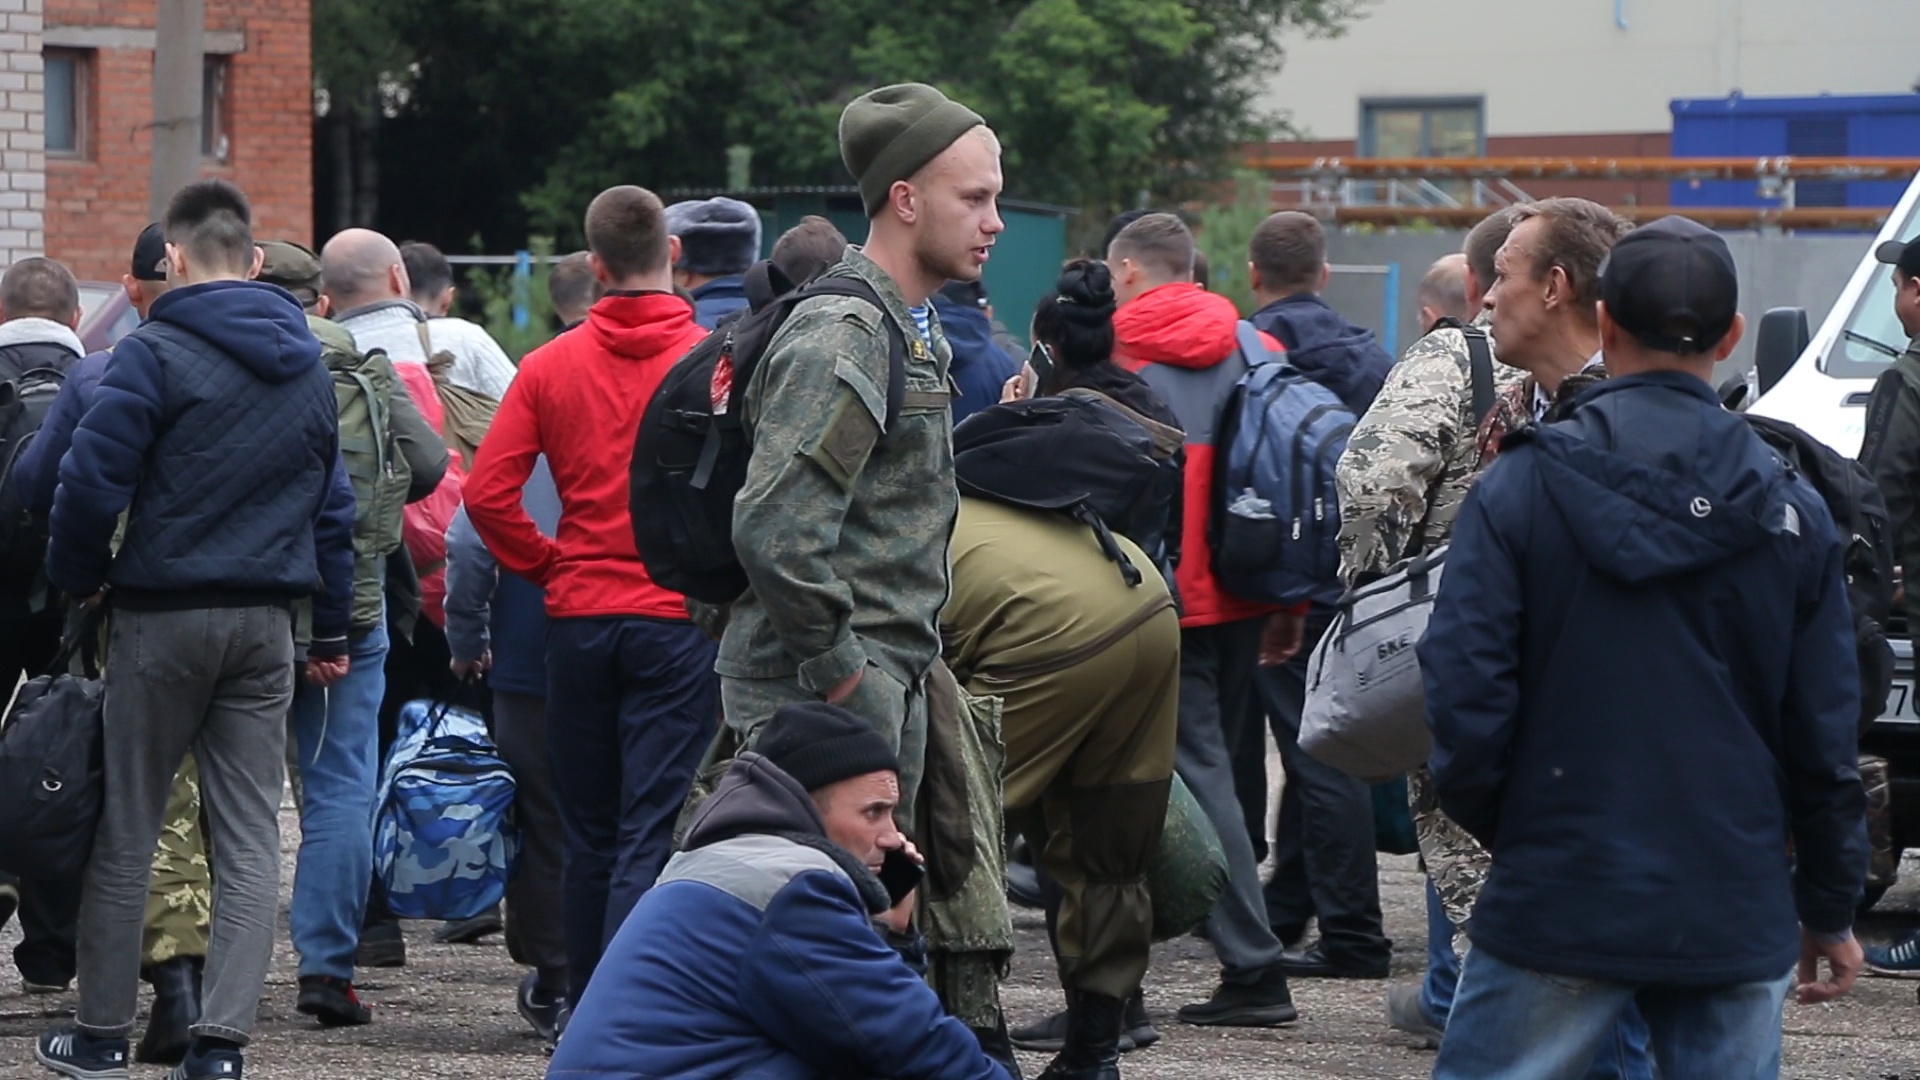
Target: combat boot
{"points": [[997, 1046], [1092, 1051], [176, 1008]]}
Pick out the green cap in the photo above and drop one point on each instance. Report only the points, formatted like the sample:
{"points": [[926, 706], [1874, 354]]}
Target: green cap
{"points": [[890, 133], [293, 267]]}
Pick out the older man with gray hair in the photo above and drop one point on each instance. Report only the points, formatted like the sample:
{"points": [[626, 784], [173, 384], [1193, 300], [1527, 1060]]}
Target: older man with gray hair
{"points": [[719, 239]]}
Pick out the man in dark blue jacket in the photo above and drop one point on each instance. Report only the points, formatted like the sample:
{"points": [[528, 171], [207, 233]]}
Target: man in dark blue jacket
{"points": [[1639, 676], [981, 365], [1324, 867], [754, 954], [214, 430], [719, 240]]}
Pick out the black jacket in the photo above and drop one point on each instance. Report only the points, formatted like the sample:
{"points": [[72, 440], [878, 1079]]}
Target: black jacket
{"points": [[1640, 680], [1326, 348]]}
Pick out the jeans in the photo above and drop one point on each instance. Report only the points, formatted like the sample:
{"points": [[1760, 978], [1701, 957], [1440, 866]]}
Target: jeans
{"points": [[1216, 672], [218, 681], [1510, 1023], [336, 730], [632, 705], [1443, 963]]}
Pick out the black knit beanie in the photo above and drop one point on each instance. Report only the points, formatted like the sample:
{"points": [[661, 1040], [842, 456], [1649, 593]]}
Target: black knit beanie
{"points": [[889, 133], [823, 744]]}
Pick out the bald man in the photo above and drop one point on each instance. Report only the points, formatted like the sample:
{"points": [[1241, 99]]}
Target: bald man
{"points": [[365, 280], [1443, 292]]}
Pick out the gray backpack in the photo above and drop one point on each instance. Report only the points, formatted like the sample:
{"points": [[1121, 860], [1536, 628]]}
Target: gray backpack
{"points": [[1366, 708]]}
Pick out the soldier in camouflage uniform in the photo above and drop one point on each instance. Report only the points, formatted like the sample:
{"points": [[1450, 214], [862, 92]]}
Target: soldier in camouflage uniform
{"points": [[843, 522], [1407, 468]]}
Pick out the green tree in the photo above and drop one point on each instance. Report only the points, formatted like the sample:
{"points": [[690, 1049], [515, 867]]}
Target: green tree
{"points": [[517, 111]]}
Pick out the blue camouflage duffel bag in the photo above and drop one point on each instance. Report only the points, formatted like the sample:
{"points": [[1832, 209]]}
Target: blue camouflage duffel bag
{"points": [[444, 840]]}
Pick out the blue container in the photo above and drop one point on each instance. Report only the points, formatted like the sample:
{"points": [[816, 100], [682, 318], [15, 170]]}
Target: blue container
{"points": [[1823, 126]]}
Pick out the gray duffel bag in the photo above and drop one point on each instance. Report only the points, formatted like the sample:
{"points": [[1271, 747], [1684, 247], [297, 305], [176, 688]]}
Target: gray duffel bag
{"points": [[1366, 709]]}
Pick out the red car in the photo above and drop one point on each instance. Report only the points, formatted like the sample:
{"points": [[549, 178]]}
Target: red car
{"points": [[106, 315]]}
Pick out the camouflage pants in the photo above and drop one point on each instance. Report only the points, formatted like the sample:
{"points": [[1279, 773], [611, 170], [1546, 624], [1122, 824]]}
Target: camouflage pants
{"points": [[1883, 862], [180, 893], [1456, 863]]}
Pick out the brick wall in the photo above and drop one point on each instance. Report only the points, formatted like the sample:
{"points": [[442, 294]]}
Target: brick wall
{"points": [[23, 179], [97, 200]]}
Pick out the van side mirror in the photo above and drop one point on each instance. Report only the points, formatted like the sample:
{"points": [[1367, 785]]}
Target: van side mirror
{"points": [[1782, 338]]}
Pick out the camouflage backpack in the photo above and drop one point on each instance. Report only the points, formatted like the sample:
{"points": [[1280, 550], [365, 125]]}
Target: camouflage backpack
{"points": [[363, 387]]}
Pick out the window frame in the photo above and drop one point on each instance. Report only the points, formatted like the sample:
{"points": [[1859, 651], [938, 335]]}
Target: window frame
{"points": [[1426, 106], [83, 65]]}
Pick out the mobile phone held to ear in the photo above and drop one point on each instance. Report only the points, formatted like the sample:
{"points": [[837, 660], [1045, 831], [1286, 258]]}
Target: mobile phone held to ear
{"points": [[900, 874], [1041, 361]]}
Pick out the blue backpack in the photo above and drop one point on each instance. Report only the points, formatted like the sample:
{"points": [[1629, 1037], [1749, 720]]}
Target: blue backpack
{"points": [[1277, 515], [444, 841]]}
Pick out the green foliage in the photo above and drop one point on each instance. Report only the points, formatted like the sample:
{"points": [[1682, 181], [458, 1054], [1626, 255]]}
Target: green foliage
{"points": [[498, 289], [517, 111], [1223, 231]]}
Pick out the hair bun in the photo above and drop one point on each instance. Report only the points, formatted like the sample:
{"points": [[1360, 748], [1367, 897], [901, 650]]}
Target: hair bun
{"points": [[1087, 284]]}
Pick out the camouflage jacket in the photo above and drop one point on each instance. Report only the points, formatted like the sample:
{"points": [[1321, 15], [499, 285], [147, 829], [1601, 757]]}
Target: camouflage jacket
{"points": [[1412, 457], [843, 528]]}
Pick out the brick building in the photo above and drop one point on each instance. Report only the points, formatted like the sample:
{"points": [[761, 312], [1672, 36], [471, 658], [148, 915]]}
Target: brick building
{"points": [[76, 115]]}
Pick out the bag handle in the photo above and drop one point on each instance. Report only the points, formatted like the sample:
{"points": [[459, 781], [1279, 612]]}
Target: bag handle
{"points": [[88, 627]]}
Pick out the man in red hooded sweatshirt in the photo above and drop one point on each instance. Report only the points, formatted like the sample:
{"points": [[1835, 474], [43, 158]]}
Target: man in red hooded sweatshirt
{"points": [[633, 698], [1182, 340]]}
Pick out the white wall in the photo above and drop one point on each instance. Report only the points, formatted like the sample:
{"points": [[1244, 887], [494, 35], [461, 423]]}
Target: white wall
{"points": [[23, 159], [1554, 67]]}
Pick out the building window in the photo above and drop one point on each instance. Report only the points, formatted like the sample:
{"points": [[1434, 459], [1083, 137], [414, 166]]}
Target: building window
{"points": [[66, 100], [1416, 129], [213, 108]]}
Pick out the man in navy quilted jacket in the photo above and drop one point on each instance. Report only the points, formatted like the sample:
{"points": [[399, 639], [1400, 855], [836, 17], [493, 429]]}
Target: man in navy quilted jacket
{"points": [[214, 431]]}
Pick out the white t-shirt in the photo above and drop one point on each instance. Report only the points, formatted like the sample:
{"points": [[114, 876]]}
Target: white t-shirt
{"points": [[479, 363]]}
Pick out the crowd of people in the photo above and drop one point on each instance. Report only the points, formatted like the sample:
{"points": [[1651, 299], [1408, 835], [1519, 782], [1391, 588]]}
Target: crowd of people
{"points": [[753, 834]]}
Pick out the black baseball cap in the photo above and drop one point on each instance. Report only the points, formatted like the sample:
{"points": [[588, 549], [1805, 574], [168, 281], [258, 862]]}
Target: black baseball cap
{"points": [[150, 254], [1903, 255], [1672, 285]]}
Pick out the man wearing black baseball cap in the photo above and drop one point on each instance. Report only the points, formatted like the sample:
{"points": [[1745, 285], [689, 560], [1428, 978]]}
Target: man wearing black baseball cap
{"points": [[755, 952], [1636, 686], [147, 277]]}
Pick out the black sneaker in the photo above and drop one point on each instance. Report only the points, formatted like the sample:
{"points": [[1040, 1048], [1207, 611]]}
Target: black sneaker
{"points": [[470, 931], [1264, 1002], [381, 946], [9, 899], [541, 1008], [203, 1064], [332, 1002], [71, 1052]]}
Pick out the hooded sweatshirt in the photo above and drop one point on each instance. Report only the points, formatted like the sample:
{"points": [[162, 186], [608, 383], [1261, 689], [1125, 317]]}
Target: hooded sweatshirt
{"points": [[1639, 676], [578, 400], [1180, 339], [215, 422], [980, 366], [1326, 348], [753, 956]]}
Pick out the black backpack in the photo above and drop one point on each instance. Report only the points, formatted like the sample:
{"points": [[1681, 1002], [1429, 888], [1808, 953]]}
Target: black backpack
{"points": [[690, 455], [24, 404], [1860, 514], [1080, 454]]}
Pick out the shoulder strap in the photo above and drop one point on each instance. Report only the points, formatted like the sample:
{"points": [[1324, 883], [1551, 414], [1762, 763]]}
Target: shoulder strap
{"points": [[896, 336], [426, 338], [1480, 361], [1251, 347]]}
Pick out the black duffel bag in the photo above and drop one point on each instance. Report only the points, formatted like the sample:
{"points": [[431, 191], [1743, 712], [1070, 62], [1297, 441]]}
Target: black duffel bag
{"points": [[50, 769]]}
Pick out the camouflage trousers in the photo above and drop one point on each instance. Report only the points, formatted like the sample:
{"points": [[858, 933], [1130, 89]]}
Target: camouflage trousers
{"points": [[1883, 862], [180, 893], [1456, 863]]}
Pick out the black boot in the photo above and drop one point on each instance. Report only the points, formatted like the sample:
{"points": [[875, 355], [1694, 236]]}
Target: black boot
{"points": [[1093, 1039], [998, 1046], [176, 1007]]}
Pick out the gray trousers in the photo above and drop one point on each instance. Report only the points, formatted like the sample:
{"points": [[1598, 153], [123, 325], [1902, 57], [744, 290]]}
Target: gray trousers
{"points": [[219, 682], [1216, 675], [535, 936]]}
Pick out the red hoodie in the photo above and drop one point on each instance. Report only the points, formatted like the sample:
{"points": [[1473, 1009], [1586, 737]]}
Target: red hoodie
{"points": [[578, 400], [1180, 339]]}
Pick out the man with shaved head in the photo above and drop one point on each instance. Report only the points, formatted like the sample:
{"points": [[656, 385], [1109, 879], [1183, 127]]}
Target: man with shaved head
{"points": [[365, 280], [1443, 291]]}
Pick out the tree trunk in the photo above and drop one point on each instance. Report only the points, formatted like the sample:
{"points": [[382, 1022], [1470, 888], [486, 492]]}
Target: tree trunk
{"points": [[340, 156]]}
